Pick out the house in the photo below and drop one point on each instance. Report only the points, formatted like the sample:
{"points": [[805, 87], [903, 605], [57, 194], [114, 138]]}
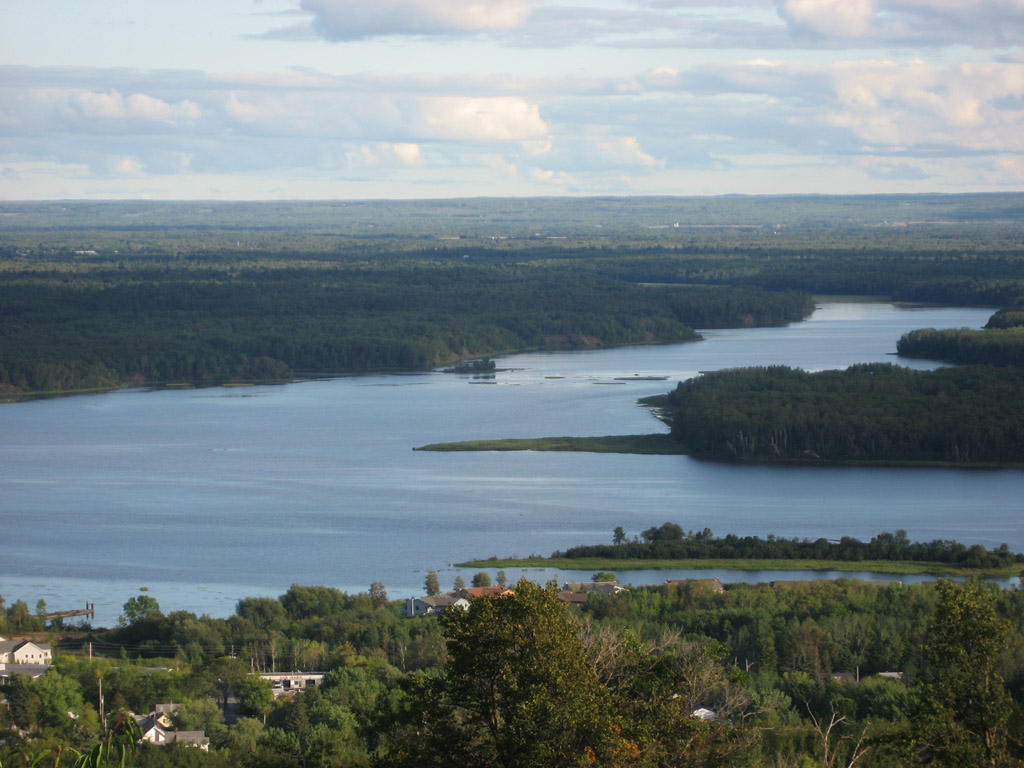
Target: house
{"points": [[891, 675], [575, 599], [157, 728], [31, 670], [24, 652], [602, 587], [715, 584], [432, 605], [472, 593]]}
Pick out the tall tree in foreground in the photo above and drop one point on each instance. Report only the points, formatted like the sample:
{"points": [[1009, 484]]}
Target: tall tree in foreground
{"points": [[517, 690], [963, 707]]}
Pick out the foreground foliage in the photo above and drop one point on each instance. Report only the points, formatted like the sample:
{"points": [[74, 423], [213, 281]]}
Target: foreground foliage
{"points": [[789, 673]]}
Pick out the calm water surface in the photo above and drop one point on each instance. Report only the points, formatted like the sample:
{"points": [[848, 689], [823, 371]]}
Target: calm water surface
{"points": [[206, 496]]}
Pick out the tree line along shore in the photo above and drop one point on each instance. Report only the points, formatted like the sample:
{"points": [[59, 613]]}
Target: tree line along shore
{"points": [[668, 546]]}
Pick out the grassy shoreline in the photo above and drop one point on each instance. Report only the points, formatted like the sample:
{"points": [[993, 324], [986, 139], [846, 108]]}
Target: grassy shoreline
{"points": [[897, 567], [657, 444], [662, 444]]}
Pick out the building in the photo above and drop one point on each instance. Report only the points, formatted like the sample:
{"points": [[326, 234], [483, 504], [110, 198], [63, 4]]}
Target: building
{"points": [[292, 682], [24, 652], [601, 587], [157, 728], [432, 605], [714, 584], [472, 593], [575, 599]]}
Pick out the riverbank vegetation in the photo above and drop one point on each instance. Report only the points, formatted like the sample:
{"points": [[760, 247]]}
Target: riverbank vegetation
{"points": [[668, 546], [670, 541], [96, 295], [673, 675]]}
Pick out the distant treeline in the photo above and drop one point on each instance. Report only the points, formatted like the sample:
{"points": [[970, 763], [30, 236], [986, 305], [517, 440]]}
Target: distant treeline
{"points": [[670, 542], [100, 294], [68, 328], [869, 412]]}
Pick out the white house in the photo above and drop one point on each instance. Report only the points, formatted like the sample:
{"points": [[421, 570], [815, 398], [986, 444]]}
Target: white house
{"points": [[432, 605], [157, 729], [24, 652]]}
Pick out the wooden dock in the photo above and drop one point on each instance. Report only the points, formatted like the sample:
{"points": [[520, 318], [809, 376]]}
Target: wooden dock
{"points": [[89, 611]]}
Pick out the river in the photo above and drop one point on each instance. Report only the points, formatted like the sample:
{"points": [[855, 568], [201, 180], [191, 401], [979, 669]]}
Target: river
{"points": [[204, 496]]}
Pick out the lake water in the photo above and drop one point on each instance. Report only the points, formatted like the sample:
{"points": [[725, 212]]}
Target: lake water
{"points": [[205, 496]]}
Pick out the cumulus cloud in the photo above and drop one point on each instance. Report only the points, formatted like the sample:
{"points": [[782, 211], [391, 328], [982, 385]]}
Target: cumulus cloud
{"points": [[882, 119], [503, 118], [738, 24], [388, 154], [357, 19], [981, 23], [138, 106], [836, 18], [626, 151]]}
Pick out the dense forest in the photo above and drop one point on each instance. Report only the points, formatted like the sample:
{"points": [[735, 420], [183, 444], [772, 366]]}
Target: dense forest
{"points": [[1001, 342], [652, 677], [869, 412], [670, 542], [104, 294]]}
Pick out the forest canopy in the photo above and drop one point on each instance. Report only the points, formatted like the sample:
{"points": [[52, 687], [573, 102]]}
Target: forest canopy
{"points": [[103, 294], [869, 412]]}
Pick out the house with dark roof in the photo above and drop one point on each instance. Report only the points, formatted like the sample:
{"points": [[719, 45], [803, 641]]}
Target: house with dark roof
{"points": [[24, 652], [157, 728], [575, 599], [601, 587]]}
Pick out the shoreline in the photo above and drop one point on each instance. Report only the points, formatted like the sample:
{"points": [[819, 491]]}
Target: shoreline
{"points": [[662, 444], [894, 567]]}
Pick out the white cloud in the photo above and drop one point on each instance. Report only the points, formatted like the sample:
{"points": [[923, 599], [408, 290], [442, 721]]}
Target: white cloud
{"points": [[126, 166], [836, 18], [557, 178], [139, 106], [388, 154], [358, 19], [626, 151], [879, 23], [500, 164], [503, 118]]}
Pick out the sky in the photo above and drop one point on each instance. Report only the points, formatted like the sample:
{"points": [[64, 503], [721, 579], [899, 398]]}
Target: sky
{"points": [[358, 99]]}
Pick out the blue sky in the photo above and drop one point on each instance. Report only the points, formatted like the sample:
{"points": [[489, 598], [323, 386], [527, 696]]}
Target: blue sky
{"points": [[302, 99]]}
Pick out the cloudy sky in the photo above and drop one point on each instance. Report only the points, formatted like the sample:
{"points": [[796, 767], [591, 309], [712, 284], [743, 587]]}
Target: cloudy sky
{"points": [[272, 99]]}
